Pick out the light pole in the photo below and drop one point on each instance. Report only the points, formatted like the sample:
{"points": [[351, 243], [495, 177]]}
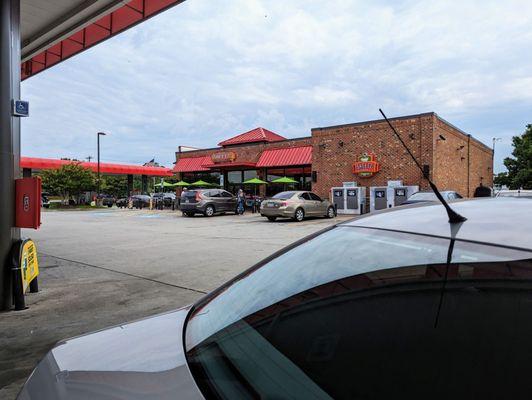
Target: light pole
{"points": [[98, 140]]}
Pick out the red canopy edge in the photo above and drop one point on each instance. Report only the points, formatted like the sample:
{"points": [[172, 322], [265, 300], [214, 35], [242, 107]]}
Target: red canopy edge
{"points": [[105, 168], [192, 164], [123, 18], [285, 157]]}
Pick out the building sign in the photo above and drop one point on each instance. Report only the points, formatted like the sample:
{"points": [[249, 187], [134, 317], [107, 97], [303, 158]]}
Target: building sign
{"points": [[366, 165], [29, 266], [223, 156]]}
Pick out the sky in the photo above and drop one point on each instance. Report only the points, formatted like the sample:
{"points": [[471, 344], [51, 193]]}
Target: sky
{"points": [[204, 71]]}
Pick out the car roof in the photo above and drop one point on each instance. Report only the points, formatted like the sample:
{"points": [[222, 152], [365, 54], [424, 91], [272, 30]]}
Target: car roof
{"points": [[499, 221]]}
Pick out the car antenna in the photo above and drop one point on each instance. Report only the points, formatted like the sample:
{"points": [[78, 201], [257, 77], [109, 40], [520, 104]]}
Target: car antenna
{"points": [[454, 217]]}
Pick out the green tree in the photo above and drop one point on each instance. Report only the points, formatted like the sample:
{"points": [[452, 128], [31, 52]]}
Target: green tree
{"points": [[69, 181], [114, 185], [520, 165]]}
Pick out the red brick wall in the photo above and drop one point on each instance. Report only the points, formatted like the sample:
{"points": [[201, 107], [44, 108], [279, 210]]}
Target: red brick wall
{"points": [[460, 161], [333, 162]]}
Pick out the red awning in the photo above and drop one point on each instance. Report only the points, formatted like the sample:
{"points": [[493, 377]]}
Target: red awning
{"points": [[105, 168], [229, 165], [192, 164], [285, 157]]}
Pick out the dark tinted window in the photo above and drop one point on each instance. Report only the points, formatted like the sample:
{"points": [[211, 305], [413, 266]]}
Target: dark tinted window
{"points": [[283, 195], [314, 196], [305, 196], [226, 194], [353, 314], [188, 193]]}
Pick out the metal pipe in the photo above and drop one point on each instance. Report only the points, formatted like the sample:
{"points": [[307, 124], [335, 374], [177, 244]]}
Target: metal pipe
{"points": [[9, 140]]}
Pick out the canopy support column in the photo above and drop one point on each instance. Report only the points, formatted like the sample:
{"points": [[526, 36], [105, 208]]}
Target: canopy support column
{"points": [[129, 184], [9, 139], [144, 184]]}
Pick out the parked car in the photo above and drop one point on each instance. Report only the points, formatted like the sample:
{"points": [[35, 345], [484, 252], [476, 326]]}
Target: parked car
{"points": [[421, 197], [108, 201], [167, 198], [384, 306], [122, 202], [140, 200], [207, 202], [523, 193], [296, 205]]}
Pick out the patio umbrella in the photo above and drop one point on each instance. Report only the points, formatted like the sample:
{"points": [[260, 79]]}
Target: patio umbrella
{"points": [[181, 183], [164, 184], [255, 181], [284, 179], [201, 183]]}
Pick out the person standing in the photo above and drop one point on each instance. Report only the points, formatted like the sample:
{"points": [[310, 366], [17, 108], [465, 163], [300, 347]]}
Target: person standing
{"points": [[241, 200]]}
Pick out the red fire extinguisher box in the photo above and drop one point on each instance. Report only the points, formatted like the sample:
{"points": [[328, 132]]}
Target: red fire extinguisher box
{"points": [[28, 202]]}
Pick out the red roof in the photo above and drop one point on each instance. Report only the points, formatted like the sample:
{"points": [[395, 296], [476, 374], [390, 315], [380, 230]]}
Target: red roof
{"points": [[285, 157], [256, 135], [192, 164], [105, 168]]}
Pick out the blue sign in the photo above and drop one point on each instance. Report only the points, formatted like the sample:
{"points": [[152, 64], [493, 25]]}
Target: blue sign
{"points": [[21, 108]]}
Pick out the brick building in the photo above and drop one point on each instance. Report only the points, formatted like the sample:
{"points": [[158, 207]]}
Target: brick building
{"points": [[454, 159]]}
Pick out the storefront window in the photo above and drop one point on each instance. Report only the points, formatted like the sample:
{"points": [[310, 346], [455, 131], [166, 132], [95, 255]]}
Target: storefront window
{"points": [[300, 174], [250, 174], [211, 177]]}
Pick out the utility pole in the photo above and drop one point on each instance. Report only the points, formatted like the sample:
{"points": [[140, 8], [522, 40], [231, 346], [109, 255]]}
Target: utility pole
{"points": [[89, 158], [98, 141]]}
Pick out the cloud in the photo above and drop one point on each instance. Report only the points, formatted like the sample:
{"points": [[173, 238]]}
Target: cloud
{"points": [[204, 71]]}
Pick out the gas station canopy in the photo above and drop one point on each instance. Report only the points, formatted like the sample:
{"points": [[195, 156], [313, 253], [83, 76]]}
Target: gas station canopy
{"points": [[54, 30], [105, 168]]}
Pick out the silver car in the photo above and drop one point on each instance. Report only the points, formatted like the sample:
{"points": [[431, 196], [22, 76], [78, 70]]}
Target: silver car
{"points": [[400, 304], [296, 205]]}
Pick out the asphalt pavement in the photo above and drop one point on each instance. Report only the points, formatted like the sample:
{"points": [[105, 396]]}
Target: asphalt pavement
{"points": [[102, 268]]}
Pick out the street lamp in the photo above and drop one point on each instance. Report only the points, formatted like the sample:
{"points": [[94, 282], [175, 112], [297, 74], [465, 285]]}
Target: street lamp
{"points": [[98, 193]]}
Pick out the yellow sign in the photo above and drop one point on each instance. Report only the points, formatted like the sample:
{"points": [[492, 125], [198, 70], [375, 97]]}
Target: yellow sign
{"points": [[29, 266]]}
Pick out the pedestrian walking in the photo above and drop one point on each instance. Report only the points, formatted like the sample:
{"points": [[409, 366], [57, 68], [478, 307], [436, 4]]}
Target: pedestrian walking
{"points": [[241, 200]]}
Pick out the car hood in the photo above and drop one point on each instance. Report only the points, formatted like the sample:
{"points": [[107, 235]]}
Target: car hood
{"points": [[139, 360]]}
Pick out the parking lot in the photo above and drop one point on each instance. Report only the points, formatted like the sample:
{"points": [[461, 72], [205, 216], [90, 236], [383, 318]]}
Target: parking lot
{"points": [[105, 267]]}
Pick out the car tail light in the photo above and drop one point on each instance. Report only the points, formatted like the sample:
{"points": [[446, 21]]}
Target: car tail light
{"points": [[284, 204], [198, 196]]}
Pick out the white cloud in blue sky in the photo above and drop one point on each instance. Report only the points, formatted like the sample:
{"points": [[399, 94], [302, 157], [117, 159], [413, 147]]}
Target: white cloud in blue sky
{"points": [[206, 70]]}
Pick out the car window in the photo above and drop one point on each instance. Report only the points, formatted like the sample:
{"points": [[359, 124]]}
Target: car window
{"points": [[215, 193], [423, 196], [226, 194], [367, 301], [314, 196], [283, 195], [305, 196]]}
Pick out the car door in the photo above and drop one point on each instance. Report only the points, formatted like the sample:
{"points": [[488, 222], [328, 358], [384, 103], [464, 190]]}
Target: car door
{"points": [[229, 201], [307, 204], [320, 206], [216, 198]]}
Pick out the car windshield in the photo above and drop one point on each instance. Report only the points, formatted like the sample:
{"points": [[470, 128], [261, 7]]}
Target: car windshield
{"points": [[423, 196], [245, 341], [283, 195]]}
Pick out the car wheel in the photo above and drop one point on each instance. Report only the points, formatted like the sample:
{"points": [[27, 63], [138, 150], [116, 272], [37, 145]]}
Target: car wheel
{"points": [[299, 215], [209, 211], [272, 219], [330, 212]]}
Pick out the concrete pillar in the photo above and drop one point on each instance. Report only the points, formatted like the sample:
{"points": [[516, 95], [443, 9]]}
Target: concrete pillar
{"points": [[9, 139], [129, 185], [144, 184]]}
